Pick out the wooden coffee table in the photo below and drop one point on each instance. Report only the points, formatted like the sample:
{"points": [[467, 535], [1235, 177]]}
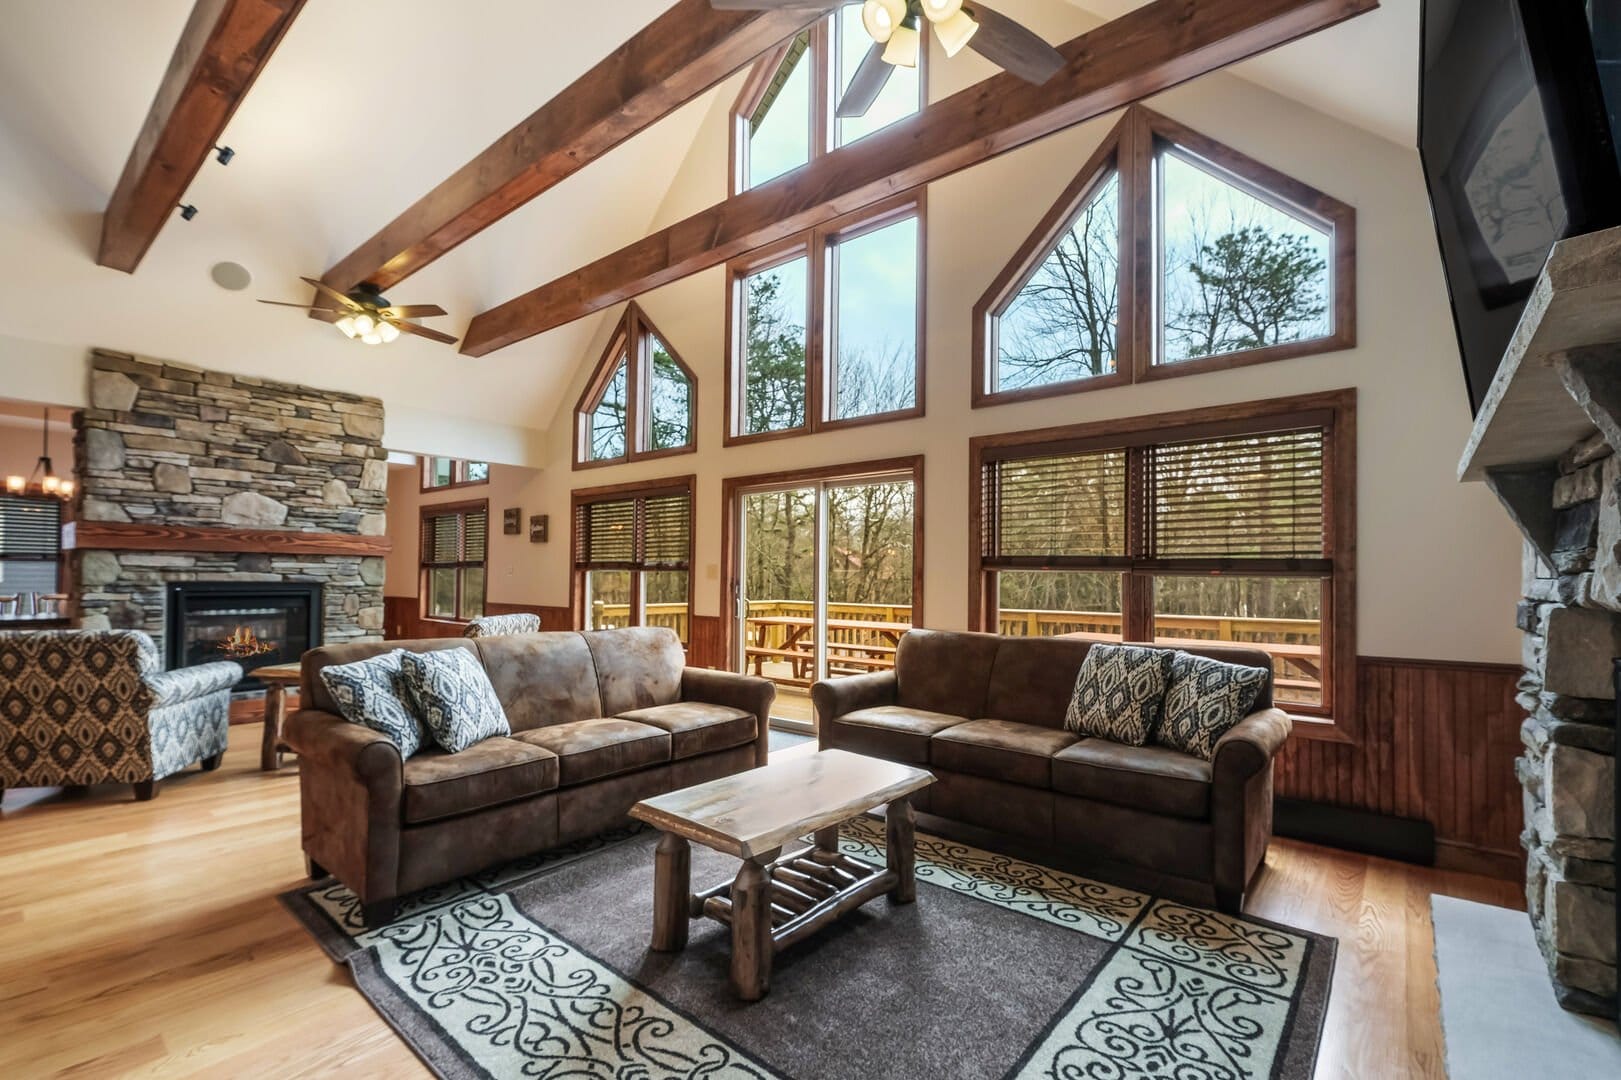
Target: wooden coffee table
{"points": [[777, 901], [277, 678]]}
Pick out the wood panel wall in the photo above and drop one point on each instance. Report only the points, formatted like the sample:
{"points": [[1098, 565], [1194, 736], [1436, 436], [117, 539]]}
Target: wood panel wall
{"points": [[1437, 741], [402, 618]]}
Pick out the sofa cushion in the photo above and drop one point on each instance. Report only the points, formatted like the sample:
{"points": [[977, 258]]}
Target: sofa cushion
{"points": [[1154, 778], [892, 732], [542, 678], [697, 727], [372, 693], [1205, 700], [1034, 677], [944, 671], [1003, 750], [592, 749], [497, 770], [313, 693], [1119, 693], [453, 697], [637, 667]]}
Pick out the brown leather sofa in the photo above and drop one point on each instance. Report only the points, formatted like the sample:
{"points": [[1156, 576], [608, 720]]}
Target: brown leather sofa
{"points": [[599, 721], [985, 714]]}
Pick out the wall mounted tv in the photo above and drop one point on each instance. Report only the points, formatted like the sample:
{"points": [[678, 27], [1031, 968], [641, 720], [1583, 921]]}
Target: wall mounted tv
{"points": [[1517, 132]]}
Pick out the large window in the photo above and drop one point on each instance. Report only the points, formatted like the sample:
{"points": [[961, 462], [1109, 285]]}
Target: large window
{"points": [[30, 545], [826, 328], [633, 556], [455, 538], [640, 402], [1231, 525], [785, 115], [1170, 254], [444, 472]]}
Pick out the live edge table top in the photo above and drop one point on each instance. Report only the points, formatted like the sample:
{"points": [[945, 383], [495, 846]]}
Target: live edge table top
{"points": [[753, 814]]}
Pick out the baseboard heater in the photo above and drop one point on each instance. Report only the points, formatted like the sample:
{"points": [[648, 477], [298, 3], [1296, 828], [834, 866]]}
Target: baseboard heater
{"points": [[1404, 839]]}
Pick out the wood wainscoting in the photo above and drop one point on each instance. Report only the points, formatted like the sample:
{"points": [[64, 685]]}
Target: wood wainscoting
{"points": [[1437, 741], [403, 620]]}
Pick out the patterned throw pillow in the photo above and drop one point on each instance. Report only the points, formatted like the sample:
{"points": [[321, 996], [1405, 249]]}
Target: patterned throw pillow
{"points": [[372, 692], [454, 698], [1205, 700], [1119, 692]]}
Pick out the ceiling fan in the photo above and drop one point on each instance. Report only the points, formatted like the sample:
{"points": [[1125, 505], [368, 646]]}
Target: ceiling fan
{"points": [[364, 314], [894, 24]]}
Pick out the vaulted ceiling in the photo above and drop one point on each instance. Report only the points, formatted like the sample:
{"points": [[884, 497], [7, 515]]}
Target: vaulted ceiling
{"points": [[361, 111]]}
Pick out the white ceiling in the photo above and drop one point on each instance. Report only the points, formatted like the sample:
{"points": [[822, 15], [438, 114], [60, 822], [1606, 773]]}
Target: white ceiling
{"points": [[356, 117]]}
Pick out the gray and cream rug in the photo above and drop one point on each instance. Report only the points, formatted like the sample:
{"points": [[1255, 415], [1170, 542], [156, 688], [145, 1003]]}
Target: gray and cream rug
{"points": [[1001, 969]]}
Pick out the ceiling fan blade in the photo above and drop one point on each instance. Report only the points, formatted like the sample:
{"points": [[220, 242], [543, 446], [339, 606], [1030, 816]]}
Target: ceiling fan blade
{"points": [[423, 331], [872, 74], [326, 314], [307, 307], [413, 311], [327, 290], [1012, 47]]}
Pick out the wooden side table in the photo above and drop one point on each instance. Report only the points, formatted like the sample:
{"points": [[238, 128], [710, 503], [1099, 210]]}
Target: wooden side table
{"points": [[277, 678]]}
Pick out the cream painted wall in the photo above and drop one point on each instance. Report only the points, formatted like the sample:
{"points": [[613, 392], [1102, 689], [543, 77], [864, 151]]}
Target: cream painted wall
{"points": [[1438, 561]]}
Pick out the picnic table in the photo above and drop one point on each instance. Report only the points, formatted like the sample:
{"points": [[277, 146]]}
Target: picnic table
{"points": [[1307, 659], [798, 650]]}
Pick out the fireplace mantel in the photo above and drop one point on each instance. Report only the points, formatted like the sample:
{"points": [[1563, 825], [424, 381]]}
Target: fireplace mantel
{"points": [[120, 536]]}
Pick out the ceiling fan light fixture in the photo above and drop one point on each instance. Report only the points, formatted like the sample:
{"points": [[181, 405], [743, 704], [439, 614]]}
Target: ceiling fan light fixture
{"points": [[940, 10], [954, 31], [347, 326], [388, 332], [372, 337], [882, 17], [903, 47], [365, 324]]}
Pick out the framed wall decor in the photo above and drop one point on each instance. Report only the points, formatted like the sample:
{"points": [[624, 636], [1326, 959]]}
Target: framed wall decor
{"points": [[512, 521], [537, 528]]}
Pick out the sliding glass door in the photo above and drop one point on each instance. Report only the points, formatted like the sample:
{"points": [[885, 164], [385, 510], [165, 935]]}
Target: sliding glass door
{"points": [[824, 580]]}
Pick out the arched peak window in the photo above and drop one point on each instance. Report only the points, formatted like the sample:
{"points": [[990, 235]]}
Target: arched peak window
{"points": [[1170, 254], [640, 402]]}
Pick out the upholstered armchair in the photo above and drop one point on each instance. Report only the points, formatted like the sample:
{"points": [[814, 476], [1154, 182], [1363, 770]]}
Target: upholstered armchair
{"points": [[84, 707], [493, 625]]}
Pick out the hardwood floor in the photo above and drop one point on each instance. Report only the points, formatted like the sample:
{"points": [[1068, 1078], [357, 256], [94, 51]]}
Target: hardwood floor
{"points": [[145, 939]]}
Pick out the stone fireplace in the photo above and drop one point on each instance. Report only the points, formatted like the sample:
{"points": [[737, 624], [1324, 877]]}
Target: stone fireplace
{"points": [[264, 489]]}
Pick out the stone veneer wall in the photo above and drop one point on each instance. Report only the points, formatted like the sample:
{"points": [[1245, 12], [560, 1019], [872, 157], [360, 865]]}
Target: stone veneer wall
{"points": [[167, 444], [1571, 617]]}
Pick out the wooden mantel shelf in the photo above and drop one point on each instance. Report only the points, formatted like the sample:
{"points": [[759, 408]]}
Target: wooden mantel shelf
{"points": [[1530, 415], [119, 536]]}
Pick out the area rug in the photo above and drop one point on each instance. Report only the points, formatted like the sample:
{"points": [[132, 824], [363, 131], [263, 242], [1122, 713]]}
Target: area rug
{"points": [[1498, 1013], [1002, 968]]}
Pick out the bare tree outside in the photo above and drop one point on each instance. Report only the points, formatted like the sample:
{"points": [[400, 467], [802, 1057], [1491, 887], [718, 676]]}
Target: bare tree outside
{"points": [[669, 400], [774, 349], [608, 419]]}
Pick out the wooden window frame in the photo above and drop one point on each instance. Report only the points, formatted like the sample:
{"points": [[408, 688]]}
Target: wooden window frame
{"points": [[631, 342], [1334, 410], [665, 486], [815, 246], [822, 137], [446, 509], [55, 557], [730, 566], [458, 473], [1132, 147]]}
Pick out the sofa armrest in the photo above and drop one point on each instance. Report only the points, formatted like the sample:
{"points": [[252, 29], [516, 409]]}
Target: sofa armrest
{"points": [[1249, 745], [746, 692], [189, 684], [327, 740], [833, 698]]}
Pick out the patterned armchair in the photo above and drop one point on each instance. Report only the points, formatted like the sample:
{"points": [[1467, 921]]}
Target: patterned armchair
{"points": [[493, 625], [95, 707]]}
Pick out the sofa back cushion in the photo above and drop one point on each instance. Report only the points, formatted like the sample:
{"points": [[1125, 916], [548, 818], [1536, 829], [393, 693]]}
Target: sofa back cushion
{"points": [[542, 679], [637, 667], [947, 671], [1033, 679], [313, 693]]}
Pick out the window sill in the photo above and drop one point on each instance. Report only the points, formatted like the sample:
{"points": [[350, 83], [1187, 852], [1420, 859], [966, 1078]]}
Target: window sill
{"points": [[1317, 729]]}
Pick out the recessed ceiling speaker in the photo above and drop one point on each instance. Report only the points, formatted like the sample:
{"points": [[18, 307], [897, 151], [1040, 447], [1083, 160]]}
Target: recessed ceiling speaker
{"points": [[230, 275]]}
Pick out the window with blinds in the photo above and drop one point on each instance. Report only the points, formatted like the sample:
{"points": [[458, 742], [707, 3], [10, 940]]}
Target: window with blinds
{"points": [[30, 544], [1054, 509], [455, 543], [459, 538], [635, 532]]}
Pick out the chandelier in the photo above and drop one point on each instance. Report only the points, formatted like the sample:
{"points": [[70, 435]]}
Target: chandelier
{"points": [[43, 481]]}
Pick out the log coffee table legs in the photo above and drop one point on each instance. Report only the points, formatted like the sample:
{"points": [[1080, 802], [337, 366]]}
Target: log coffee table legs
{"points": [[672, 871], [752, 947], [901, 846], [275, 717]]}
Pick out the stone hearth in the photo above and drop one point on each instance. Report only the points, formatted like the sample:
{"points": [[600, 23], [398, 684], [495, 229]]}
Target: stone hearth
{"points": [[164, 444]]}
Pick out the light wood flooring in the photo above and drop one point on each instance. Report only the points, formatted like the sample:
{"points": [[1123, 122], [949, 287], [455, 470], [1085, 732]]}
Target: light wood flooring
{"points": [[145, 939]]}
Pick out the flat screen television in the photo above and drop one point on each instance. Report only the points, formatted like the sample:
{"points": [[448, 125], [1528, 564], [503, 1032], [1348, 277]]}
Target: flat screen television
{"points": [[1517, 133]]}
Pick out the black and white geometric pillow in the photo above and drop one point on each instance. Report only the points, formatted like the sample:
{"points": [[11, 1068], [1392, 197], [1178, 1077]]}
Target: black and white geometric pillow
{"points": [[1206, 698], [372, 692], [1119, 693], [454, 698]]}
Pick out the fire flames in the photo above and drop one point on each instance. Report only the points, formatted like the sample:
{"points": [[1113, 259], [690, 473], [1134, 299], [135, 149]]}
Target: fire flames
{"points": [[244, 642]]}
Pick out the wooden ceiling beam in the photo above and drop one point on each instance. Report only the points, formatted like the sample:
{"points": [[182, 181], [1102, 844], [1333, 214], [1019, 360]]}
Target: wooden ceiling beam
{"points": [[678, 56], [1141, 53], [225, 44]]}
